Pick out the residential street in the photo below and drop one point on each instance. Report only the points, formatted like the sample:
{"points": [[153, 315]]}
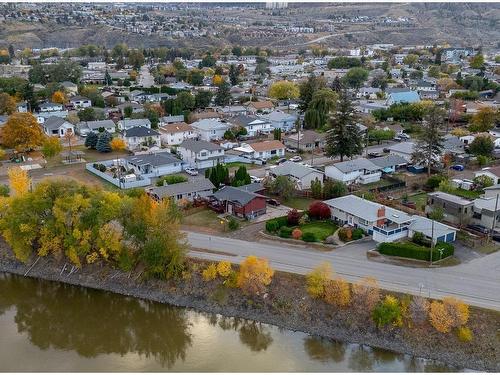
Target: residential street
{"points": [[476, 282]]}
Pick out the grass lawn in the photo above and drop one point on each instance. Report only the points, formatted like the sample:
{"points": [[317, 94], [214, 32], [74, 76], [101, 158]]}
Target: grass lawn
{"points": [[468, 194], [207, 219], [488, 248], [237, 164], [377, 184], [420, 199], [320, 229], [300, 203]]}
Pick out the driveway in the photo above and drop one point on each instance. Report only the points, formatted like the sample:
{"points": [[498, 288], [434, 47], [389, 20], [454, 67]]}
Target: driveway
{"points": [[272, 212]]}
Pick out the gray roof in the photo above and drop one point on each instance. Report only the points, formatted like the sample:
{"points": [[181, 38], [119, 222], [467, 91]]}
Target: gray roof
{"points": [[210, 124], [425, 226], [140, 131], [487, 204], [403, 147], [155, 160], [252, 188], [389, 161], [136, 122], [229, 193], [242, 120], [193, 186], [53, 122], [450, 198], [289, 168], [94, 125], [356, 165], [279, 116], [172, 119], [78, 98], [197, 146]]}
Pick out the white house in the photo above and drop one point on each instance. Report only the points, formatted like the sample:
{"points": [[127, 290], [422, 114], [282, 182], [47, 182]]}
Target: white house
{"points": [[51, 107], [85, 127], [262, 150], [210, 129], [141, 136], [281, 120], [133, 123], [200, 154], [492, 172], [176, 133], [403, 149], [57, 126], [198, 188], [165, 120], [360, 170], [253, 125], [384, 223], [370, 92], [153, 165], [406, 96], [300, 174], [80, 102]]}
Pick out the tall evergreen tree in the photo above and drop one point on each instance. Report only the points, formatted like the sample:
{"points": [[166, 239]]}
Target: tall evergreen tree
{"points": [[429, 145], [107, 79], [241, 177], [223, 96], [233, 74], [320, 107], [337, 85], [308, 89], [91, 140], [103, 141], [344, 137]]}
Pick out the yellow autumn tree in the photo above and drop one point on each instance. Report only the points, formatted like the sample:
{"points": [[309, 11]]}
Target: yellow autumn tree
{"points": [[109, 240], [7, 104], [19, 181], [338, 292], [458, 311], [254, 275], [317, 279], [284, 90], [217, 80], [460, 132], [22, 132], [59, 97], [224, 268], [439, 317], [118, 144], [51, 147], [210, 273]]}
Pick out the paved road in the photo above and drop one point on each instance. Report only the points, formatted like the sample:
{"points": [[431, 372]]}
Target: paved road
{"points": [[145, 77], [476, 282]]}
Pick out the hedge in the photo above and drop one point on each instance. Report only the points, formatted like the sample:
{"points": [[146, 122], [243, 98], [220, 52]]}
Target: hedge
{"points": [[357, 233], [274, 225], [285, 232], [309, 237], [413, 251]]}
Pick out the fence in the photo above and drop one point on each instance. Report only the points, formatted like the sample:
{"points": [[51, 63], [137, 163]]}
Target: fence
{"points": [[115, 181]]}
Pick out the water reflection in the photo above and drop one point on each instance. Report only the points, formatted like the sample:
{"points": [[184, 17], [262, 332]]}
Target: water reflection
{"points": [[324, 350], [90, 322]]}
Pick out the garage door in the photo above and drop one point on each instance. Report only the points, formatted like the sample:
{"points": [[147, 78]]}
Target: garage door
{"points": [[450, 237]]}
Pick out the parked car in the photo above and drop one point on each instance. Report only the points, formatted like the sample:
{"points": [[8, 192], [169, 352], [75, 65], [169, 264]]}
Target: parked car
{"points": [[397, 138], [255, 179], [272, 202], [457, 167], [495, 237], [372, 155], [386, 150], [281, 160], [191, 171], [478, 228], [404, 136], [295, 158], [291, 150]]}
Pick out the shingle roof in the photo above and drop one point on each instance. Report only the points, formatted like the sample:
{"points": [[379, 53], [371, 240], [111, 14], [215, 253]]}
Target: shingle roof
{"points": [[155, 160], [450, 198], [197, 146], [252, 188], [229, 193], [193, 186], [54, 122], [267, 145], [172, 119], [176, 127], [405, 97], [144, 122], [356, 165], [99, 124], [279, 116], [389, 161], [289, 168], [140, 131], [209, 124]]}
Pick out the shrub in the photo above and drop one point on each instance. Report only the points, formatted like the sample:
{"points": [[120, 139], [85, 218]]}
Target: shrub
{"points": [[209, 273], [285, 232], [464, 334], [365, 294], [293, 217], [419, 239], [434, 181], [296, 234], [387, 311], [357, 234], [419, 310], [309, 237], [275, 224], [254, 275], [413, 251], [439, 317], [233, 224], [4, 190], [316, 280], [170, 180], [224, 268], [319, 210], [345, 234], [458, 311], [338, 292], [304, 219]]}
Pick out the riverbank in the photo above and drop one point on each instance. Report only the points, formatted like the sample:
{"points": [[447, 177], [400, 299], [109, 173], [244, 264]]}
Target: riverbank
{"points": [[287, 305]]}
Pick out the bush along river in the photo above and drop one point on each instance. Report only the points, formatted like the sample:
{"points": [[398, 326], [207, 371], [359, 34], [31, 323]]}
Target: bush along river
{"points": [[53, 326]]}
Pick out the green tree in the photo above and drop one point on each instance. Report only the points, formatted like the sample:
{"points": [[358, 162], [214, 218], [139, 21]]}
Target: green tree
{"points": [[284, 90], [379, 135], [277, 134], [202, 99], [91, 140], [196, 77], [410, 59], [136, 59], [316, 189], [308, 88], [477, 61], [482, 145], [343, 62], [388, 311], [234, 74], [334, 189], [185, 101], [241, 177], [103, 141], [223, 95], [107, 79], [51, 147], [429, 146], [434, 71], [87, 114], [322, 104], [355, 77], [344, 137], [437, 214], [208, 61], [237, 51], [127, 111], [484, 120], [218, 175], [282, 186]]}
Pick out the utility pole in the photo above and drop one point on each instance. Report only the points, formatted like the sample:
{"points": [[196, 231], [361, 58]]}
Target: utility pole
{"points": [[494, 220], [432, 239]]}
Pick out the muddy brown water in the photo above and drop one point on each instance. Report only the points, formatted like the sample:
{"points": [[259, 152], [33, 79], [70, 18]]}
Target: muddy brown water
{"points": [[49, 326]]}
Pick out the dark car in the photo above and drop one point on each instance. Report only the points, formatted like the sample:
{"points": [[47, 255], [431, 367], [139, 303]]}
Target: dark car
{"points": [[386, 150], [279, 161], [457, 167], [272, 202], [478, 228], [495, 237]]}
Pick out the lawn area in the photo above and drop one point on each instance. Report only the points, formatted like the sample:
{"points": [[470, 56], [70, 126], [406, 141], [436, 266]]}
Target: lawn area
{"points": [[320, 229], [373, 185], [300, 203], [420, 199], [237, 164], [207, 219], [467, 194]]}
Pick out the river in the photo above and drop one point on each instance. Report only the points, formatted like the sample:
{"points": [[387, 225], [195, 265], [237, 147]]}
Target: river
{"points": [[48, 326]]}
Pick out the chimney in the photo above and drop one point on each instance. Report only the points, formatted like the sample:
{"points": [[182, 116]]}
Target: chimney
{"points": [[381, 216]]}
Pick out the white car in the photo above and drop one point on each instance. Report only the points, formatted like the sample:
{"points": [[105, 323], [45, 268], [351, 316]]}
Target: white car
{"points": [[255, 179], [295, 158], [291, 150], [191, 171]]}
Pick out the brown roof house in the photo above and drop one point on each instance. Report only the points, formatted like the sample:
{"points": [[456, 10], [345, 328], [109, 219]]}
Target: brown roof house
{"points": [[265, 106]]}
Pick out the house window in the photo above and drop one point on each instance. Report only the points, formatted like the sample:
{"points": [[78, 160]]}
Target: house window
{"points": [[465, 210]]}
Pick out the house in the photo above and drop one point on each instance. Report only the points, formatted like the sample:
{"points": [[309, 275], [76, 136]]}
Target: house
{"points": [[281, 120], [486, 212], [202, 115], [51, 107], [389, 163], [22, 106], [239, 202], [200, 154], [384, 223], [80, 102], [403, 149], [490, 191], [165, 120], [210, 129], [253, 125], [70, 87], [368, 92], [57, 126], [404, 96], [176, 133], [359, 170], [133, 123], [306, 140], [136, 108], [456, 210], [396, 128], [300, 174], [422, 85], [85, 127], [153, 165], [265, 106], [492, 172], [138, 136], [262, 150], [190, 190], [455, 54]]}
